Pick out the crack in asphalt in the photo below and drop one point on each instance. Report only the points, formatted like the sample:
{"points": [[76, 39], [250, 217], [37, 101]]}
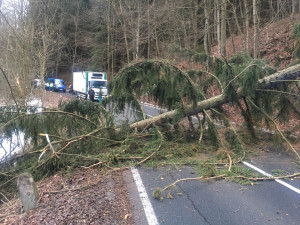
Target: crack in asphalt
{"points": [[193, 204]]}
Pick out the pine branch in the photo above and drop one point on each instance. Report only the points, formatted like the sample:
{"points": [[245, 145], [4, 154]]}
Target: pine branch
{"points": [[277, 128], [264, 83]]}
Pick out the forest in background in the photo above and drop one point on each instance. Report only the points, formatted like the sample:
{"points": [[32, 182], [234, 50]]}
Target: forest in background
{"points": [[51, 37]]}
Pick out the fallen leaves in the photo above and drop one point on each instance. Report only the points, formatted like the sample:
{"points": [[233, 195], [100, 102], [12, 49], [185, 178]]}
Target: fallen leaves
{"points": [[84, 197]]}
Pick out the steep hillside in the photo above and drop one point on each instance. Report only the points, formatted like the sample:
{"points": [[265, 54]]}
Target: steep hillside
{"points": [[276, 45]]}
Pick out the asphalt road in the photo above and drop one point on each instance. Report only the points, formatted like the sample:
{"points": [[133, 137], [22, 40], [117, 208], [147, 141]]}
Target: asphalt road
{"points": [[220, 202], [217, 202]]}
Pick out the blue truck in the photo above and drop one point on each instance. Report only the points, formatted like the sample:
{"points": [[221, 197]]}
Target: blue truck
{"points": [[55, 84]]}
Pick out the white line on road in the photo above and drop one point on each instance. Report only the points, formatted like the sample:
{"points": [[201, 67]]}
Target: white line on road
{"points": [[269, 175], [141, 112], [150, 214]]}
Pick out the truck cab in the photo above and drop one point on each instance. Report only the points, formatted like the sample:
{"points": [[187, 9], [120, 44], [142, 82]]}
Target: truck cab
{"points": [[83, 81]]}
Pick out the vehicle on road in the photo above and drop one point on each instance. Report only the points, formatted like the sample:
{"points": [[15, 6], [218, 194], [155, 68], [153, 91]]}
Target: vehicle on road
{"points": [[55, 84], [36, 83], [84, 80]]}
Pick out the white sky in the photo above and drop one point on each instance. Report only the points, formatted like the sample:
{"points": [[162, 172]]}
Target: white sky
{"points": [[11, 4]]}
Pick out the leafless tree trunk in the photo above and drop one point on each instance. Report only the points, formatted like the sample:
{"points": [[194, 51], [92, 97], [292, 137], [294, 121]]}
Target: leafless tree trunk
{"points": [[124, 28], [293, 8], [76, 20], [148, 31], [256, 30], [137, 31], [247, 18], [233, 6], [218, 22], [207, 38], [108, 42], [195, 24], [223, 28]]}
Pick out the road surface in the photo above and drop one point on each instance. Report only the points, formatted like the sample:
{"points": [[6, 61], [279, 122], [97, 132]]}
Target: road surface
{"points": [[218, 202]]}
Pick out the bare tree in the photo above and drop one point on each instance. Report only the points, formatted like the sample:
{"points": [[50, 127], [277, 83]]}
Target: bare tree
{"points": [[207, 31], [223, 28], [256, 29], [247, 19]]}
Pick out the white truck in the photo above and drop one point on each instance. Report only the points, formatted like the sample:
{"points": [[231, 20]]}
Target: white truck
{"points": [[84, 80]]}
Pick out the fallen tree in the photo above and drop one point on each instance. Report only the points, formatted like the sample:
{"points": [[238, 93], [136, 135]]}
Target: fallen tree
{"points": [[83, 134], [291, 73], [239, 78]]}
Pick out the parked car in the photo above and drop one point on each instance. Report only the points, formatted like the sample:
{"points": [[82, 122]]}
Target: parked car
{"points": [[36, 83], [55, 84]]}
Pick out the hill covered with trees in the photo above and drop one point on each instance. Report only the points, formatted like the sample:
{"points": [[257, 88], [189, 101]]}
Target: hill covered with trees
{"points": [[60, 36]]}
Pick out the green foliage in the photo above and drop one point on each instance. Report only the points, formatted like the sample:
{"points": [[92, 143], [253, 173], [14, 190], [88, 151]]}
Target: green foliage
{"points": [[233, 142], [78, 129], [240, 174], [164, 82], [296, 35], [278, 173], [241, 71], [208, 170], [296, 52], [157, 194], [296, 32]]}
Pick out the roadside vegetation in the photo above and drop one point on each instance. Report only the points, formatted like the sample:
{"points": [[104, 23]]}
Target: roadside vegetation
{"points": [[83, 134]]}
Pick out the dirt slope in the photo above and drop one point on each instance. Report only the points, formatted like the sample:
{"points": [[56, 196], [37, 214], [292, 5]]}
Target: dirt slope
{"points": [[276, 45]]}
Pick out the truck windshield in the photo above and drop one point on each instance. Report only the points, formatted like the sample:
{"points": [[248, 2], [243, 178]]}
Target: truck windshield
{"points": [[98, 84], [59, 82]]}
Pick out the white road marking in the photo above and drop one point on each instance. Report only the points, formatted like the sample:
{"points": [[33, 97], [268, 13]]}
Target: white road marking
{"points": [[150, 214], [269, 175], [141, 112]]}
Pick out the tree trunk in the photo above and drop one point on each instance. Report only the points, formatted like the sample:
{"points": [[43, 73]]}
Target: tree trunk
{"points": [[279, 9], [293, 8], [218, 21], [247, 25], [207, 48], [148, 31], [124, 28], [256, 30], [239, 29], [273, 80], [195, 24], [137, 31], [223, 28], [108, 44]]}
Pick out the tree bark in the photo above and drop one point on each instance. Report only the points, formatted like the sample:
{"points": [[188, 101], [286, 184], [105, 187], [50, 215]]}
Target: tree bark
{"points": [[239, 29], [207, 47], [123, 23], [218, 23], [256, 30], [223, 28], [195, 24], [137, 31], [293, 8], [273, 80], [247, 12]]}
